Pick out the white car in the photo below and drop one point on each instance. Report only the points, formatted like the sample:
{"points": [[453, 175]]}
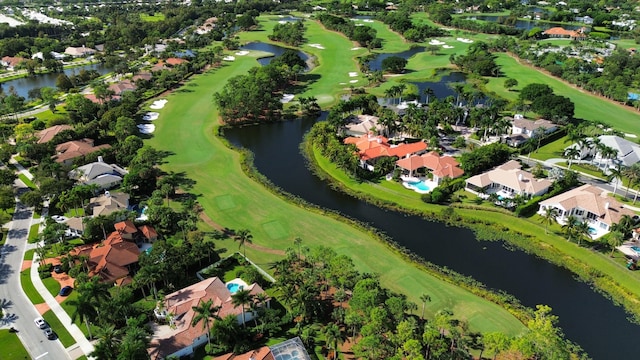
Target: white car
{"points": [[40, 323], [59, 218]]}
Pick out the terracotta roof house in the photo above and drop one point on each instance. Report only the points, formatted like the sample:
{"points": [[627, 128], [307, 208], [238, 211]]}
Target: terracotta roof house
{"points": [[123, 86], [49, 133], [288, 349], [104, 175], [522, 129], [507, 180], [440, 166], [587, 203], [108, 203], [558, 32], [79, 51], [179, 338], [143, 76], [372, 147], [175, 61], [148, 232], [359, 125], [66, 152], [10, 62]]}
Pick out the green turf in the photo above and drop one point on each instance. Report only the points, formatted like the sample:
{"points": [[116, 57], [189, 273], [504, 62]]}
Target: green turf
{"points": [[29, 289], [33, 233], [52, 285], [28, 255], [11, 346], [26, 181], [553, 150], [187, 128], [152, 18], [56, 325], [74, 212]]}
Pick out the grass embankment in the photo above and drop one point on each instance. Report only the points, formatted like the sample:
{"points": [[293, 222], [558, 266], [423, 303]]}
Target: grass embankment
{"points": [[33, 233], [11, 345], [29, 289], [27, 182], [65, 338], [230, 198]]}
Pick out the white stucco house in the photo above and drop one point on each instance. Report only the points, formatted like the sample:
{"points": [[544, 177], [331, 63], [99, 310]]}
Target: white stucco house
{"points": [[507, 180]]}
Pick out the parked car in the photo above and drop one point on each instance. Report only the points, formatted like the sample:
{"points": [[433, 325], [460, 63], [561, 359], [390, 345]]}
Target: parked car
{"points": [[49, 334], [41, 323], [58, 269], [65, 291], [59, 218]]}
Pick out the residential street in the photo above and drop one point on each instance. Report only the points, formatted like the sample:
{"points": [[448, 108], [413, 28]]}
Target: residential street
{"points": [[22, 311]]}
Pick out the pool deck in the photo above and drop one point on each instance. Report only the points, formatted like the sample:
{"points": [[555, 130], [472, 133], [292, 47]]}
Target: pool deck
{"points": [[407, 179], [627, 250]]}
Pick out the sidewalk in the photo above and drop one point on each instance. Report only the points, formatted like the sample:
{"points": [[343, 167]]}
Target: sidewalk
{"points": [[20, 168], [81, 340]]}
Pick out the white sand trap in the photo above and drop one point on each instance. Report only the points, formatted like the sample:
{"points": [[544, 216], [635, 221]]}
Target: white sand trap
{"points": [[158, 104], [367, 20], [286, 98], [353, 81], [343, 83], [447, 46], [353, 74], [146, 128], [242, 53], [317, 46], [228, 58], [630, 135], [282, 22], [464, 40], [436, 42], [356, 48], [150, 116]]}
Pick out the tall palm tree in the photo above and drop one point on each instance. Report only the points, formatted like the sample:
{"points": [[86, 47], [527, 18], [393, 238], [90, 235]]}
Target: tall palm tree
{"points": [[205, 312], [333, 336], [632, 173], [424, 298], [243, 237], [582, 232], [549, 217], [428, 92], [615, 174], [569, 228], [242, 298], [298, 242], [615, 239], [109, 339], [83, 308], [571, 154]]}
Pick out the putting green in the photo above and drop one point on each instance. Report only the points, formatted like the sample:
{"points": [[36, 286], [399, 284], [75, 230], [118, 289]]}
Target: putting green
{"points": [[225, 202], [275, 230]]}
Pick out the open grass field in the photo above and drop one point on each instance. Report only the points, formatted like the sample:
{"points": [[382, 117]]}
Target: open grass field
{"points": [[29, 289], [232, 200], [152, 18], [11, 346]]}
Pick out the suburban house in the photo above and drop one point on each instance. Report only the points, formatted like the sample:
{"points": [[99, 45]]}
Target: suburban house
{"points": [[121, 87], [108, 203], [79, 51], [371, 148], [49, 133], [587, 20], [288, 349], [207, 26], [66, 152], [99, 173], [75, 227], [628, 152], [359, 125], [558, 32], [523, 129], [587, 203], [143, 76], [10, 62], [178, 338], [439, 166], [115, 259], [507, 180]]}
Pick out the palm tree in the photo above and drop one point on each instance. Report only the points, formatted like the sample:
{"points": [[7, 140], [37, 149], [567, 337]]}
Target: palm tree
{"points": [[582, 232], [428, 92], [108, 340], [84, 309], [205, 311], [633, 174], [549, 217], [571, 154], [615, 239], [242, 298], [424, 298], [569, 228], [298, 241], [333, 337], [615, 174], [243, 237]]}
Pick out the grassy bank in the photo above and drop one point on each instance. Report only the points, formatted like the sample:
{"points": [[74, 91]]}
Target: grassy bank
{"points": [[11, 346], [186, 128]]}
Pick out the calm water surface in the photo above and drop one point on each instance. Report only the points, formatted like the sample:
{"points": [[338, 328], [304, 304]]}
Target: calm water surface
{"points": [[274, 49], [586, 317]]}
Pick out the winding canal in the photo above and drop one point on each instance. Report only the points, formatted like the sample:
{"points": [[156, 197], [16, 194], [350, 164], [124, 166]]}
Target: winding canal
{"points": [[586, 317]]}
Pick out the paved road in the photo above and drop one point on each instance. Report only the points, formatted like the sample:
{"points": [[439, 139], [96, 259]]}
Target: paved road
{"points": [[23, 312]]}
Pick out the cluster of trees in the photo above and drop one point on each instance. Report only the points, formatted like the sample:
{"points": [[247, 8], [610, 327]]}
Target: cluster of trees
{"points": [[400, 21], [488, 27], [484, 158], [84, 77], [364, 35], [330, 303], [290, 33], [478, 60], [545, 103]]}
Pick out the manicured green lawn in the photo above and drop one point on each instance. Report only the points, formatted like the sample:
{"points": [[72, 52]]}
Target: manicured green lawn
{"points": [[26, 181], [232, 200], [33, 233], [65, 338], [29, 289], [74, 212], [11, 346], [28, 255], [152, 18], [552, 150], [52, 285]]}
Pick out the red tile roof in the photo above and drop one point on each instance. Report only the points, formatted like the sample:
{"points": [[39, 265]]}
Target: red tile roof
{"points": [[125, 227], [12, 61], [440, 166], [76, 148], [49, 133], [371, 147], [110, 259], [263, 353], [149, 232], [175, 61]]}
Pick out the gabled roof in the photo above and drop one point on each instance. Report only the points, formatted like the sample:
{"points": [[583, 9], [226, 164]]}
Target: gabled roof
{"points": [[592, 199], [49, 133], [125, 227], [122, 86], [148, 232], [110, 258], [106, 204], [628, 152], [509, 174], [440, 166], [372, 147], [76, 148], [93, 170]]}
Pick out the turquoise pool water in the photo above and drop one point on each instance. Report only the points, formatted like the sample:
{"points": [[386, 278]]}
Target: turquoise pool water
{"points": [[420, 185], [233, 287], [636, 249], [592, 231]]}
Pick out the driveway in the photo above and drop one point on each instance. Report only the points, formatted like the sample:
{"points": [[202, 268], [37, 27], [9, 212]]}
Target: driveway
{"points": [[22, 311]]}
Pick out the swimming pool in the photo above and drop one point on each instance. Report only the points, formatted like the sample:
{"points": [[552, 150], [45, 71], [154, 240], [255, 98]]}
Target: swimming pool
{"points": [[417, 186], [233, 287], [592, 231], [636, 249]]}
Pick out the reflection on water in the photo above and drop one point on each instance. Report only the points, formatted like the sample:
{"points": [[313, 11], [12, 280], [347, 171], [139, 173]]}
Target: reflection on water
{"points": [[376, 63], [270, 48]]}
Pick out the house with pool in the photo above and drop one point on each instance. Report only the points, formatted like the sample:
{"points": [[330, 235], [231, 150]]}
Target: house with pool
{"points": [[439, 167], [371, 148], [176, 337], [507, 181], [590, 204]]}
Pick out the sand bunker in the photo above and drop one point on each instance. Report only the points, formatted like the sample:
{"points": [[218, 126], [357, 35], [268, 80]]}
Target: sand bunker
{"points": [[353, 74], [367, 20], [356, 48], [353, 81], [146, 128], [286, 98], [343, 83], [242, 53], [436, 42], [150, 116], [317, 46], [282, 22], [228, 58], [464, 40], [158, 104], [447, 46]]}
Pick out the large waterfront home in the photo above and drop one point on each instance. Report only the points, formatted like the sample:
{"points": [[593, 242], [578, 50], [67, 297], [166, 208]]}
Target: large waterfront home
{"points": [[439, 166], [98, 173], [507, 180], [523, 129], [372, 147]]}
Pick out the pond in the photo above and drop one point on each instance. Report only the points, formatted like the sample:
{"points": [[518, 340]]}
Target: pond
{"points": [[270, 48], [526, 24], [376, 63], [23, 85], [587, 317]]}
